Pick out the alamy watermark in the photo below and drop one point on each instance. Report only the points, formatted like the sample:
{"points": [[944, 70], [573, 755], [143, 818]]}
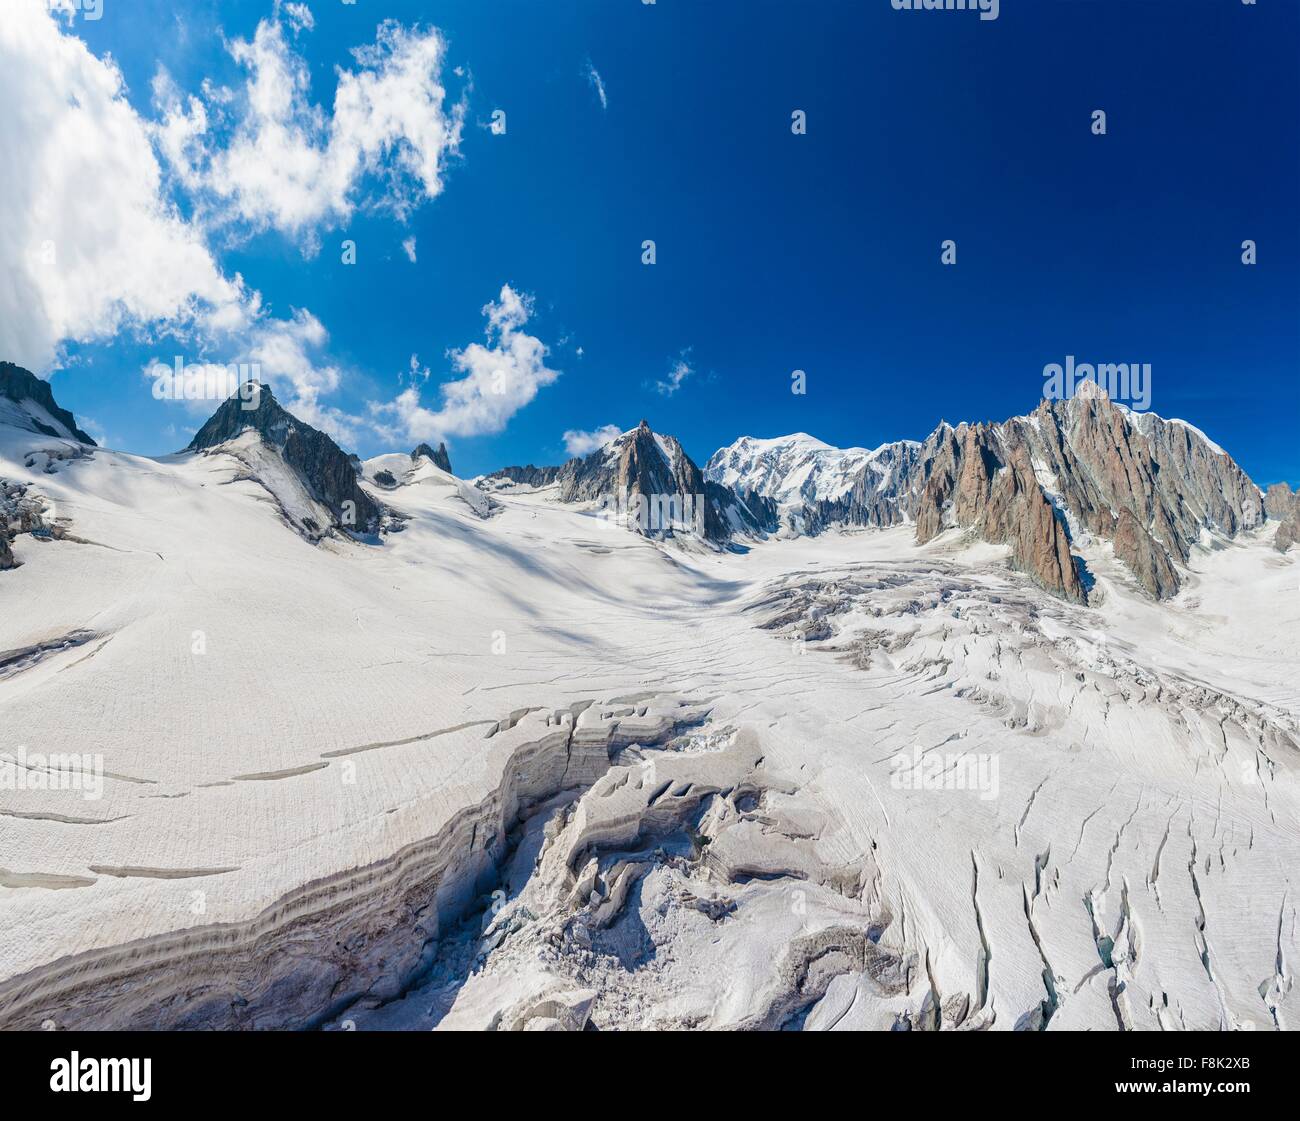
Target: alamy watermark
{"points": [[655, 515], [929, 770], [988, 9], [207, 381], [36, 771], [1127, 382], [88, 9]]}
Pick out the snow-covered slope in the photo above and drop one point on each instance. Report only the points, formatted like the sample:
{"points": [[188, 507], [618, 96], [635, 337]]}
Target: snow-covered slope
{"points": [[806, 478], [422, 469], [533, 771]]}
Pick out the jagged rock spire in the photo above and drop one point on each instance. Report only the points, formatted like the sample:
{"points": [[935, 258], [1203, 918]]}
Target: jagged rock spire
{"points": [[440, 458]]}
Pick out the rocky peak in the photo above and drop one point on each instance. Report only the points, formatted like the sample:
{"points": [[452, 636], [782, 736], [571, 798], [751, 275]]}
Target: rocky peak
{"points": [[812, 485], [1085, 460], [326, 473], [22, 387], [649, 484], [439, 458]]}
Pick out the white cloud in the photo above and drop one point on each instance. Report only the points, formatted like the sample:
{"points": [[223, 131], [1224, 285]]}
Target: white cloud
{"points": [[415, 370], [298, 15], [283, 353], [680, 371], [93, 243], [500, 379], [578, 443], [597, 83], [90, 244], [287, 164], [408, 247], [288, 352], [180, 131]]}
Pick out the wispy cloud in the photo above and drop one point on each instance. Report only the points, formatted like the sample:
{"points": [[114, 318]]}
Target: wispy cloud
{"points": [[677, 375], [298, 16], [578, 443], [408, 247], [597, 83]]}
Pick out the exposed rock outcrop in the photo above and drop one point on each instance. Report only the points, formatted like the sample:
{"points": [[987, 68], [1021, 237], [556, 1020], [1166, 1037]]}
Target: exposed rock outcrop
{"points": [[1085, 460], [327, 474], [440, 458], [23, 511], [981, 482], [528, 476], [647, 482], [1283, 504], [1148, 560], [22, 386]]}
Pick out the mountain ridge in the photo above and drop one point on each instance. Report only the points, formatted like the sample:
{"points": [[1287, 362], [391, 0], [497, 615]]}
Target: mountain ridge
{"points": [[1148, 485], [21, 386], [319, 464], [1043, 484], [646, 481]]}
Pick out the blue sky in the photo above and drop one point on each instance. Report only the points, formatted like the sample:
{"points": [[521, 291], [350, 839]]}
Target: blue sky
{"points": [[775, 252]]}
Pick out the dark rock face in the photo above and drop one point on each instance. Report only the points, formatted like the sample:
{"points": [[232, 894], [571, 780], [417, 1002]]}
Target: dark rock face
{"points": [[440, 457], [986, 484], [1085, 461], [649, 483], [1284, 505], [20, 385], [749, 514], [1148, 560], [529, 476], [1174, 483], [1106, 460], [641, 472], [326, 472]]}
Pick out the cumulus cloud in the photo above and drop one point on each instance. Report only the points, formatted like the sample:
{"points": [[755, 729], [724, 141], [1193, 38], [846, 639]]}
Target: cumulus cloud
{"points": [[677, 374], [290, 354], [91, 245], [500, 378], [94, 243], [579, 443], [266, 156]]}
